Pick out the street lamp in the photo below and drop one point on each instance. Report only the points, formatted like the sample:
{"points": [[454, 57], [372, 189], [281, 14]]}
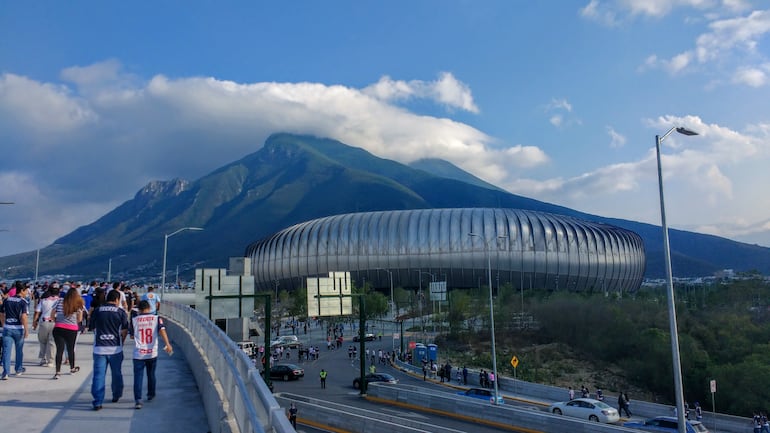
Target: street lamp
{"points": [[165, 249], [678, 392], [419, 298], [109, 267], [491, 309], [392, 302]]}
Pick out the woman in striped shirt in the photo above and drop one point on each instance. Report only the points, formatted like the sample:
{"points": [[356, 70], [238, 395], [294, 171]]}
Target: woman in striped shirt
{"points": [[68, 315]]}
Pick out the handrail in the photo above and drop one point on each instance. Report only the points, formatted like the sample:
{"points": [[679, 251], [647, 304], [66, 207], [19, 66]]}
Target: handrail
{"points": [[246, 395]]}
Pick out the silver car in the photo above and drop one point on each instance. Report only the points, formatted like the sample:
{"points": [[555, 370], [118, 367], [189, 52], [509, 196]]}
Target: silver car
{"points": [[586, 408]]}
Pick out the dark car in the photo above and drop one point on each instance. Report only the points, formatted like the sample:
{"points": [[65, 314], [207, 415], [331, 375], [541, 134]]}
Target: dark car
{"points": [[482, 394], [286, 372], [374, 377], [367, 337], [667, 424]]}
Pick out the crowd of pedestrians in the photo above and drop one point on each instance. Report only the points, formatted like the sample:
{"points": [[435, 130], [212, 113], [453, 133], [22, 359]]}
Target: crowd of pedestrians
{"points": [[63, 311]]}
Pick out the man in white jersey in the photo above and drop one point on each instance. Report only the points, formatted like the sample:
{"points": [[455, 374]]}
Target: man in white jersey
{"points": [[146, 329]]}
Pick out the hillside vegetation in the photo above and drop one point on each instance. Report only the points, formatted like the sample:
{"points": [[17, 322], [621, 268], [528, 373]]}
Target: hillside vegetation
{"points": [[622, 342]]}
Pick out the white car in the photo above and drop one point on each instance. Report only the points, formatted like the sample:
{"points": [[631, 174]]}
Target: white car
{"points": [[586, 408], [285, 340]]}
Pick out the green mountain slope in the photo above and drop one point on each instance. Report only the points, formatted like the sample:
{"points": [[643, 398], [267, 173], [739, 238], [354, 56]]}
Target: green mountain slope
{"points": [[295, 178]]}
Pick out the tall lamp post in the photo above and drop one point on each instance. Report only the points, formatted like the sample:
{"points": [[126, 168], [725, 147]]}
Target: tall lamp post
{"points": [[392, 302], [419, 298], [678, 392], [109, 267], [491, 309], [165, 249]]}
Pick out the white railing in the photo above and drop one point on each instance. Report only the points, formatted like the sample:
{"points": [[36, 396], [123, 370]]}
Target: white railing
{"points": [[235, 397]]}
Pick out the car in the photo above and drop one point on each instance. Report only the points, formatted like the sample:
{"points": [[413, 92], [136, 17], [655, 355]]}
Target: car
{"points": [[367, 337], [482, 394], [286, 372], [666, 424], [249, 348], [286, 341], [375, 377], [586, 408]]}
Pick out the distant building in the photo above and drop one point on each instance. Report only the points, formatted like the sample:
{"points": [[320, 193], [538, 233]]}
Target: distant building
{"points": [[529, 249]]}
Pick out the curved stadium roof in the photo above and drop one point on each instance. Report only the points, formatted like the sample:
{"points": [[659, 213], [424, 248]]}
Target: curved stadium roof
{"points": [[528, 249]]}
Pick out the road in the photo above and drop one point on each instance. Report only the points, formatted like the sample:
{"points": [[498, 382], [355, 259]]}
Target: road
{"points": [[339, 384]]}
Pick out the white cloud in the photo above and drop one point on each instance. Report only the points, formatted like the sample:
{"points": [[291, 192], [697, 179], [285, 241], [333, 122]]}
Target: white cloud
{"points": [[714, 173], [447, 90], [559, 104], [752, 77], [733, 40], [596, 11], [83, 146], [616, 139], [562, 107], [728, 34]]}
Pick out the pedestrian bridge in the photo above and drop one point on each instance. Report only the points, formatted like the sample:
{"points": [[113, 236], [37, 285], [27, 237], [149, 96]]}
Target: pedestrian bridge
{"points": [[207, 385]]}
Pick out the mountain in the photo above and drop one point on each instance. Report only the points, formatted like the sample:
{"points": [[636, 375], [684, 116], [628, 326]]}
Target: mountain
{"points": [[295, 178]]}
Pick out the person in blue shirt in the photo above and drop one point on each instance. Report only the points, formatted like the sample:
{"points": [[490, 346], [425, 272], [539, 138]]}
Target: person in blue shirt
{"points": [[110, 323], [13, 314], [153, 298]]}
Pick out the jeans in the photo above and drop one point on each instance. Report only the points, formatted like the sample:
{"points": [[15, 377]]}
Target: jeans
{"points": [[12, 338], [139, 366], [100, 373]]}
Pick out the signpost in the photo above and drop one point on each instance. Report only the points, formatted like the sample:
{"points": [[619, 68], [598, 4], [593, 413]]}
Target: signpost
{"points": [[713, 386], [514, 363], [333, 296]]}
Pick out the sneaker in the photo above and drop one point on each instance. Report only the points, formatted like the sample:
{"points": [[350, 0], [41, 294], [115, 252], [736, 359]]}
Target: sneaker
{"points": [[42, 362], [115, 399], [138, 406], [49, 365], [98, 407], [4, 377], [20, 372], [150, 397]]}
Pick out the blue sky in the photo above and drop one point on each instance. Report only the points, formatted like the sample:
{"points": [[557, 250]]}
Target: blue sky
{"points": [[559, 101]]}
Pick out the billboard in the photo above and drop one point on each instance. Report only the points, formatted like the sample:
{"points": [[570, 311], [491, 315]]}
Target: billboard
{"points": [[329, 296]]}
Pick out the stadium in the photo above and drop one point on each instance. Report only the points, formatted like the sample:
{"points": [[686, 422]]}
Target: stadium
{"points": [[527, 249]]}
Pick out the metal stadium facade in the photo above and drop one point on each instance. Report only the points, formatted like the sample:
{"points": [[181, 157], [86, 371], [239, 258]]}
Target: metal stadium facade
{"points": [[529, 249]]}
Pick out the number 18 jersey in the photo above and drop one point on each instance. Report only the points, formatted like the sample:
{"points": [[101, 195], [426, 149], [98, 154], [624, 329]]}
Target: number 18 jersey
{"points": [[146, 329]]}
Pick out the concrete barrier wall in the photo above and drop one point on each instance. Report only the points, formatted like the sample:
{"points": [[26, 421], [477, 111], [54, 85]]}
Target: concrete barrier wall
{"points": [[480, 412], [235, 397], [638, 408]]}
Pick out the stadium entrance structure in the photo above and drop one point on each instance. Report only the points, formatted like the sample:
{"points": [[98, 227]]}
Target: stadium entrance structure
{"points": [[527, 249]]}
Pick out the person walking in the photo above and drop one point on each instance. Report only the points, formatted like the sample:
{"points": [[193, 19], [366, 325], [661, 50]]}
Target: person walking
{"points": [[110, 324], [293, 416], [465, 376], [153, 298], [43, 323], [323, 375], [572, 393], [67, 316], [13, 314], [623, 404], [146, 327]]}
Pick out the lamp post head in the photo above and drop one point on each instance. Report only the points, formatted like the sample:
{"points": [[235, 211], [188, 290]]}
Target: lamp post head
{"points": [[685, 131]]}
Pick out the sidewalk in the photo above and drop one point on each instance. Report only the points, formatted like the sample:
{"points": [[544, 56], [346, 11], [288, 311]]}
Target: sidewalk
{"points": [[35, 403]]}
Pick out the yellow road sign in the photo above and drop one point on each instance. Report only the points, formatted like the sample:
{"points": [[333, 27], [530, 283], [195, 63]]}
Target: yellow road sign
{"points": [[515, 361]]}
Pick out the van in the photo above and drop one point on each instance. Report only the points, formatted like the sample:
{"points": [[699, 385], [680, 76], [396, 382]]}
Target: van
{"points": [[249, 347]]}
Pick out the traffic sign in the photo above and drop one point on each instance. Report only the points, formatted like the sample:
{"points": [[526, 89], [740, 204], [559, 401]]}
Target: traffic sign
{"points": [[515, 361]]}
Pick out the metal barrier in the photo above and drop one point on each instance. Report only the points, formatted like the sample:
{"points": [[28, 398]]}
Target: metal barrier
{"points": [[234, 394]]}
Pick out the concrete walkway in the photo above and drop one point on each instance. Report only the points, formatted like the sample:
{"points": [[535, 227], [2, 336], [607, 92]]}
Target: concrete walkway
{"points": [[33, 402]]}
